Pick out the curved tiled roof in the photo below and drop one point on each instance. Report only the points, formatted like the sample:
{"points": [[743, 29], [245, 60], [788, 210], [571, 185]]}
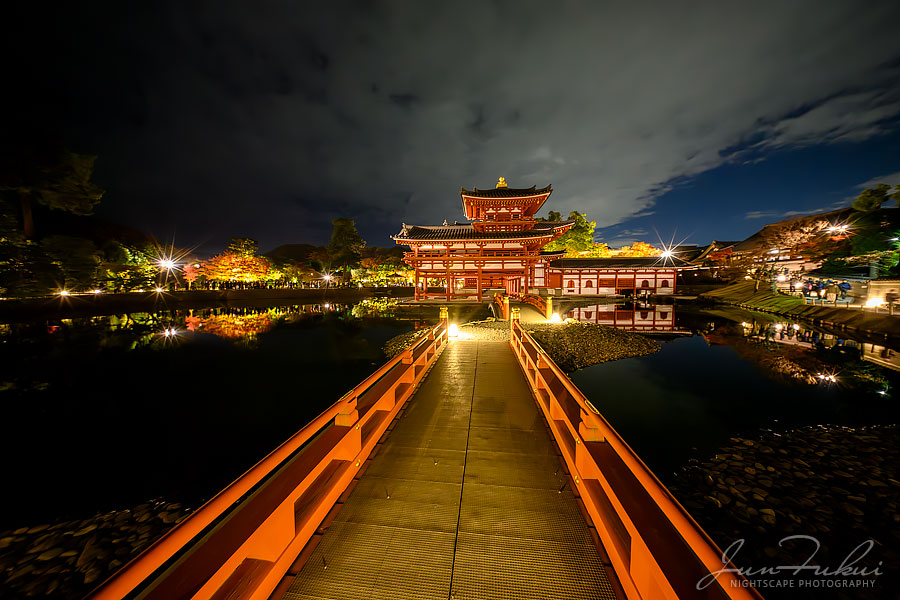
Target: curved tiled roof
{"points": [[641, 262], [468, 232], [505, 192]]}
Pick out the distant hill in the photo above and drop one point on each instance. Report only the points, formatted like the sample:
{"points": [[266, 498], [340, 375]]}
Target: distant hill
{"points": [[758, 239]]}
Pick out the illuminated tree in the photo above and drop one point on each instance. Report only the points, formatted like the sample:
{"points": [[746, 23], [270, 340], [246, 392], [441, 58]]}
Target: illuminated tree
{"points": [[76, 258], [639, 249], [243, 246], [580, 238], [345, 246], [190, 273], [231, 266], [871, 199]]}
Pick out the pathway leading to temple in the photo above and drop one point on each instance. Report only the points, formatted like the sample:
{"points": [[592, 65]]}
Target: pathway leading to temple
{"points": [[466, 498]]}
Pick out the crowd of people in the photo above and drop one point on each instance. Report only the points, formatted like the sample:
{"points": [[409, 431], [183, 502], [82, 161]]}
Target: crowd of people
{"points": [[829, 290]]}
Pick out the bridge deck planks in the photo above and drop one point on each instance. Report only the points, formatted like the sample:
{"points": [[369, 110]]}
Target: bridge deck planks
{"points": [[465, 499]]}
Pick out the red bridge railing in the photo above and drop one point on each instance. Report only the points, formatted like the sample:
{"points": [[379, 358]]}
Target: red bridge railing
{"points": [[543, 305], [241, 543], [656, 548], [502, 303]]}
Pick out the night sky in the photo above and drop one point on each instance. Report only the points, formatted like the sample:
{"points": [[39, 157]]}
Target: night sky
{"points": [[698, 121]]}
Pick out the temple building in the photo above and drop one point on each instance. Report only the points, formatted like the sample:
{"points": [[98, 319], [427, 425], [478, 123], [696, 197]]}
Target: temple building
{"points": [[500, 247]]}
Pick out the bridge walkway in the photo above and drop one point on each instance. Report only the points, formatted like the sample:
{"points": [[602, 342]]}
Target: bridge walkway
{"points": [[465, 498]]}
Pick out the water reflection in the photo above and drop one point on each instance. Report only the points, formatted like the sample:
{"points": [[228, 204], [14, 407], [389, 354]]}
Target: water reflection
{"points": [[139, 329], [113, 410], [647, 318], [809, 337]]}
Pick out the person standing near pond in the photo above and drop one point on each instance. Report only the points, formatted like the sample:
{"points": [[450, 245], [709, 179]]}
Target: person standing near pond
{"points": [[831, 292], [844, 287]]}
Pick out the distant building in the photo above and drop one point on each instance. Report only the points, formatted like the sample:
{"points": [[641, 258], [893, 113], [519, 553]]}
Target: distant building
{"points": [[611, 276], [500, 249]]}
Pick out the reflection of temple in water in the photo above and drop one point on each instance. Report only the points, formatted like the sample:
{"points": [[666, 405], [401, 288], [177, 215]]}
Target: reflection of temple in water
{"points": [[880, 355], [796, 335], [646, 318]]}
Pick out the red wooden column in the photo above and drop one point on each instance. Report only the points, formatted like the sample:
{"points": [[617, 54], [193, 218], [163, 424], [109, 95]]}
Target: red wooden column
{"points": [[480, 268], [417, 284], [447, 282]]}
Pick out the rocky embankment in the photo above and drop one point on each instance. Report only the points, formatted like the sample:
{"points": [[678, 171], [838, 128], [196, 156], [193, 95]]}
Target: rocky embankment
{"points": [[66, 560], [398, 344], [840, 485], [577, 345], [571, 345]]}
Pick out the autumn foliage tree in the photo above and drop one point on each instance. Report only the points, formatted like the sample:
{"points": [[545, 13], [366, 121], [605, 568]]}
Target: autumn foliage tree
{"points": [[639, 249], [238, 263]]}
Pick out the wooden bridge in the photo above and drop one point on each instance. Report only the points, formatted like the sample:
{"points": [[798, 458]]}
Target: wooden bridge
{"points": [[460, 469]]}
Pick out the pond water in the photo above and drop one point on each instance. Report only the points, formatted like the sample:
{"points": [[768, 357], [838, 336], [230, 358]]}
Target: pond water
{"points": [[722, 374], [107, 412]]}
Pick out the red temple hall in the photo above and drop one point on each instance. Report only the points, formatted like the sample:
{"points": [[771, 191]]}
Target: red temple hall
{"points": [[500, 246]]}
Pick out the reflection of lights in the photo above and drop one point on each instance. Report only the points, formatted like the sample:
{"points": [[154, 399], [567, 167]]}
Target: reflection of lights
{"points": [[839, 228], [746, 277], [554, 318], [871, 302], [796, 327], [453, 331], [327, 305], [778, 327], [745, 324], [825, 377], [882, 392], [773, 251], [169, 332], [96, 291], [63, 292], [782, 278]]}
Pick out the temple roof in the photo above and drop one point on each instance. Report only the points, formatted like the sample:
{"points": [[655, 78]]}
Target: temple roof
{"points": [[505, 192], [468, 232], [641, 262]]}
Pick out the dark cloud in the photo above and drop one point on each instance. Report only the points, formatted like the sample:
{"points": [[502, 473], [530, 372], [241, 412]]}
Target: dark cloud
{"points": [[272, 118]]}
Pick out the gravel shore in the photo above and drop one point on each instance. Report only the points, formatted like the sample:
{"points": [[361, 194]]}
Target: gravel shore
{"points": [[571, 345], [68, 559], [839, 485]]}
